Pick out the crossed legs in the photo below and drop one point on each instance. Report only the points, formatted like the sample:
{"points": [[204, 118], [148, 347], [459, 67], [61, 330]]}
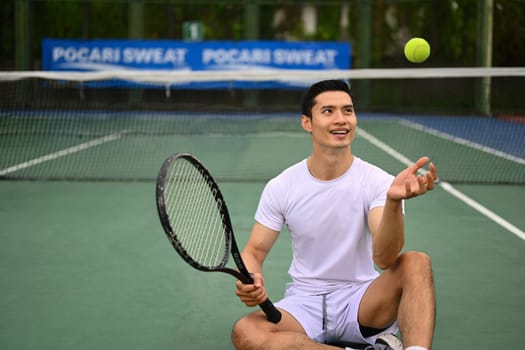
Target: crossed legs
{"points": [[404, 292]]}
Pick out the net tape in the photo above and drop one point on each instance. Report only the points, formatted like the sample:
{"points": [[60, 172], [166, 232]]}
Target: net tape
{"points": [[168, 77]]}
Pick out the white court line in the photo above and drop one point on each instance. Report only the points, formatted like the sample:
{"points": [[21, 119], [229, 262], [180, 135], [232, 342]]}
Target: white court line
{"points": [[61, 153], [447, 187], [491, 215]]}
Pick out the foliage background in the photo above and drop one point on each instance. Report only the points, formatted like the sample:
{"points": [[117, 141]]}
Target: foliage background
{"points": [[451, 26]]}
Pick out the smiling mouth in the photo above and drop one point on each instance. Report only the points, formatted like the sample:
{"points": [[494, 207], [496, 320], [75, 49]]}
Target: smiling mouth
{"points": [[339, 132]]}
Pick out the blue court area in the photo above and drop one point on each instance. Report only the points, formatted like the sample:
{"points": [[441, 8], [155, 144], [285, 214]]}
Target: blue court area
{"points": [[497, 134]]}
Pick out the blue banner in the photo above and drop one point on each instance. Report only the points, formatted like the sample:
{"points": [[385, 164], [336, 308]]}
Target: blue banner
{"points": [[96, 55]]}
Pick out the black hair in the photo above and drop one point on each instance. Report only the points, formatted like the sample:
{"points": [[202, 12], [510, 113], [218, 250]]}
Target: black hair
{"points": [[318, 88]]}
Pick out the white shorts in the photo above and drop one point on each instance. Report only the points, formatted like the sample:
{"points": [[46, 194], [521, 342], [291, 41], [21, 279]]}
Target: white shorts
{"points": [[330, 317]]}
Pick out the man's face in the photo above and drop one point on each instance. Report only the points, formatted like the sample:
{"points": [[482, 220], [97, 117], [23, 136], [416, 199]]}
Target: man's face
{"points": [[333, 123]]}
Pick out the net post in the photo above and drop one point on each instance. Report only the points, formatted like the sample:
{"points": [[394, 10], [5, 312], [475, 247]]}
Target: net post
{"points": [[22, 41], [251, 32], [365, 29], [22, 44], [485, 29], [136, 31]]}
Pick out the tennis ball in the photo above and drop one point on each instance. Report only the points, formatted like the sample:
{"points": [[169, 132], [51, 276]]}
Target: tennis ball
{"points": [[417, 50]]}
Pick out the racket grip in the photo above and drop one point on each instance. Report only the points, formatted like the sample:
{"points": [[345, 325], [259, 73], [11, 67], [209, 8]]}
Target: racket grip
{"points": [[271, 311]]}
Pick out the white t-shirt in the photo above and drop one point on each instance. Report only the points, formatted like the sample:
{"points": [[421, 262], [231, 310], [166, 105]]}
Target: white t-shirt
{"points": [[327, 220]]}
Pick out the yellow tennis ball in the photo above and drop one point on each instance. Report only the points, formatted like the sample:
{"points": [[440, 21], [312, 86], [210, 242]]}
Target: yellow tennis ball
{"points": [[417, 50]]}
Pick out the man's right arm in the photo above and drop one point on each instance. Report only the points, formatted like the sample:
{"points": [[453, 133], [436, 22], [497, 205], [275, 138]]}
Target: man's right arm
{"points": [[254, 253]]}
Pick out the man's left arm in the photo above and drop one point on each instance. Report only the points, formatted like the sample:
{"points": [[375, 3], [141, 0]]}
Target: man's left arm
{"points": [[387, 223]]}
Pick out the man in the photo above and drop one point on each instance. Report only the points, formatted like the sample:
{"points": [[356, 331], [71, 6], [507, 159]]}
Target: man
{"points": [[345, 216]]}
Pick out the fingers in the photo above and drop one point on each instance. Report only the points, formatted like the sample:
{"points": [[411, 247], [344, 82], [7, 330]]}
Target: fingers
{"points": [[251, 294], [418, 164], [420, 188], [408, 190], [258, 280], [433, 172], [425, 182], [431, 176], [413, 181]]}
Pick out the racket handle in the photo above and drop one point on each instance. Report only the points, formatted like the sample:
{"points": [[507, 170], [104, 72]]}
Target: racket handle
{"points": [[271, 311]]}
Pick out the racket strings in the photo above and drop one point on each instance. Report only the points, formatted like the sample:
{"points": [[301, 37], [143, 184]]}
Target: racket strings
{"points": [[199, 236], [194, 215]]}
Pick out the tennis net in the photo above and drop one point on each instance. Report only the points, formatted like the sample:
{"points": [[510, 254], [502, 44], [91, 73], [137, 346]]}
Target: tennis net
{"points": [[121, 125]]}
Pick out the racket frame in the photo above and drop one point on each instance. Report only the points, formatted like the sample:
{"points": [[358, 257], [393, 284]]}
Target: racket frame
{"points": [[231, 245]]}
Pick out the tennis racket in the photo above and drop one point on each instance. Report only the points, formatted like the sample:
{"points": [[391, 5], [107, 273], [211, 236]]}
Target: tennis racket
{"points": [[195, 219]]}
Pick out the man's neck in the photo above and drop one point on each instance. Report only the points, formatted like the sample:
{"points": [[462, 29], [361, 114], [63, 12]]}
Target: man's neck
{"points": [[329, 166]]}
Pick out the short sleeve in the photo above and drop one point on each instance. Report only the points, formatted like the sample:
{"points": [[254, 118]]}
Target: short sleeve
{"points": [[269, 211]]}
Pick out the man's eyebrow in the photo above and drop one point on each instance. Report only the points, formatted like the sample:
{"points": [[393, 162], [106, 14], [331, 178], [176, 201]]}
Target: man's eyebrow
{"points": [[334, 106]]}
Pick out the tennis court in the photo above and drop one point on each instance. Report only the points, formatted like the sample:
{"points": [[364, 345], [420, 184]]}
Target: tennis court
{"points": [[85, 264]]}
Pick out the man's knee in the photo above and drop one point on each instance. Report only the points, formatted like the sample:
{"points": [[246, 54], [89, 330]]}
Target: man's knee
{"points": [[250, 331], [415, 264], [240, 332]]}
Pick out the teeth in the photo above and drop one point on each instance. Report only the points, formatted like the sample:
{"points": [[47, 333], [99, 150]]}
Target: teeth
{"points": [[339, 132]]}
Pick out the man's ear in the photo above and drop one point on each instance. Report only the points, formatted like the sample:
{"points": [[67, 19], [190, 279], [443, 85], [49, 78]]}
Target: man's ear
{"points": [[306, 123]]}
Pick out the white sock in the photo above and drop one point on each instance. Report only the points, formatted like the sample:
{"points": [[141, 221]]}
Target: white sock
{"points": [[416, 348]]}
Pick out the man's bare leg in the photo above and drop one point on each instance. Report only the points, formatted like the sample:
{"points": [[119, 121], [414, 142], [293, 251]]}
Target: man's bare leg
{"points": [[404, 292], [254, 332]]}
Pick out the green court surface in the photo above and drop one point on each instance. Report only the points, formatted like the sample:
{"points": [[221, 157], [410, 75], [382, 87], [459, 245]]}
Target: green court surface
{"points": [[85, 265]]}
